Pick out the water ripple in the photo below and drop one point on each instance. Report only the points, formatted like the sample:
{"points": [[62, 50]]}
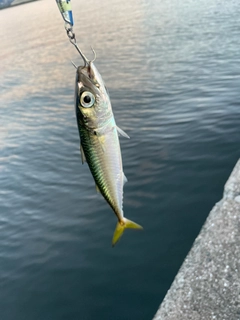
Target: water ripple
{"points": [[172, 70]]}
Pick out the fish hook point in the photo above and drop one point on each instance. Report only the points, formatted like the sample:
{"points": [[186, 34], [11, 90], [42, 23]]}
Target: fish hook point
{"points": [[74, 64], [95, 55]]}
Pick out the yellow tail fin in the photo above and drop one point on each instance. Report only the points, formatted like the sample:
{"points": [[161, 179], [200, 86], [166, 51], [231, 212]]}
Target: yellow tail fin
{"points": [[121, 226]]}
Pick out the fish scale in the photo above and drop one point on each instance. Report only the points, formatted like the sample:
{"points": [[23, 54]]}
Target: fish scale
{"points": [[99, 142], [104, 166]]}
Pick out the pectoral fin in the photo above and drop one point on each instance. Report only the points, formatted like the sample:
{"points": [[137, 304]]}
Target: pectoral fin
{"points": [[82, 154], [122, 133], [101, 139]]}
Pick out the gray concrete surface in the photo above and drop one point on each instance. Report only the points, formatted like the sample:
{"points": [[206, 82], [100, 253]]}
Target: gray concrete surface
{"points": [[207, 285]]}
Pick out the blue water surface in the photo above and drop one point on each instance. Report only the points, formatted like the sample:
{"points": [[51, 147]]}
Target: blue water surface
{"points": [[172, 69]]}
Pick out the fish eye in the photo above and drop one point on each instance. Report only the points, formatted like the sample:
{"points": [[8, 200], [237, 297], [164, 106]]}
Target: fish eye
{"points": [[87, 99]]}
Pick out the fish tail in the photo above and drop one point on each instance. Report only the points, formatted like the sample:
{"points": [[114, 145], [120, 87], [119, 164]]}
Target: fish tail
{"points": [[121, 226]]}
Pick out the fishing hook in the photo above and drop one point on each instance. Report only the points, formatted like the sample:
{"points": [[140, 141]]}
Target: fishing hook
{"points": [[72, 39]]}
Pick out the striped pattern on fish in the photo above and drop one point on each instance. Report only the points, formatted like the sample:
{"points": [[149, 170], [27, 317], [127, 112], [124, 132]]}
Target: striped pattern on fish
{"points": [[99, 142]]}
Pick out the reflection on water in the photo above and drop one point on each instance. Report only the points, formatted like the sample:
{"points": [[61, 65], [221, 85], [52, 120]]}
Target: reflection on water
{"points": [[172, 72]]}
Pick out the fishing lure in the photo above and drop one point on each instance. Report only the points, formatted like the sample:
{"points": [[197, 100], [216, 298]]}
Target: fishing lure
{"points": [[65, 8]]}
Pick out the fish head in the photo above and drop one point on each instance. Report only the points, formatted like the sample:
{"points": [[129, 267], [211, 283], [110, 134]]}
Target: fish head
{"points": [[93, 105]]}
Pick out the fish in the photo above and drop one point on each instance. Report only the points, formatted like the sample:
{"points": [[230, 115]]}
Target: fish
{"points": [[99, 140]]}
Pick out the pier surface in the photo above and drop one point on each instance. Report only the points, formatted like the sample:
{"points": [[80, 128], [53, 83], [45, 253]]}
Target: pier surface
{"points": [[207, 285]]}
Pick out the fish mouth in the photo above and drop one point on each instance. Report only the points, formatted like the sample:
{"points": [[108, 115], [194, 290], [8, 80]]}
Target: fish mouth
{"points": [[82, 73], [90, 78], [84, 80]]}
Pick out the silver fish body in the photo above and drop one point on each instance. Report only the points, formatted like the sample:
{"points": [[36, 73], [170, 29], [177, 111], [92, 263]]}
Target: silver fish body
{"points": [[99, 142]]}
